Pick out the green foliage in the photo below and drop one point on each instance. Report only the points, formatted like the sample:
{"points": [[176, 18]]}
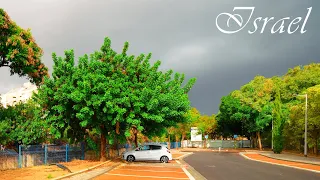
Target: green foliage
{"points": [[207, 125], [278, 125], [267, 99], [297, 116], [22, 123], [113, 93], [19, 51]]}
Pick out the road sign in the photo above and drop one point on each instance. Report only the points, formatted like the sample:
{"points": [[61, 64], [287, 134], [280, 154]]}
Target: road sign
{"points": [[235, 136]]}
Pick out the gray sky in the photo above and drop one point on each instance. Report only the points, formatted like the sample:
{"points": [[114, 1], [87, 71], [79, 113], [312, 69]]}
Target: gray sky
{"points": [[181, 33]]}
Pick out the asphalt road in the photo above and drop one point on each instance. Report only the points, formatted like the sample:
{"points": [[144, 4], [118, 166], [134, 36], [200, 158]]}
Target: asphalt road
{"points": [[229, 166]]}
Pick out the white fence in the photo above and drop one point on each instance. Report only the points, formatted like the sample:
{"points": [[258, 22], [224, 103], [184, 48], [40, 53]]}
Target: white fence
{"points": [[217, 143]]}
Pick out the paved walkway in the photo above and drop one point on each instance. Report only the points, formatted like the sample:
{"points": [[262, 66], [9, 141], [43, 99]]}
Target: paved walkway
{"points": [[291, 157], [298, 165], [94, 172]]}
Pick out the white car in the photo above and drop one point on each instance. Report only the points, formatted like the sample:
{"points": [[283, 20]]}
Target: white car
{"points": [[149, 152]]}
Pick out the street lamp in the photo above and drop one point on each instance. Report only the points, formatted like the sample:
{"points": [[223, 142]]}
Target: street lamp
{"points": [[272, 135], [305, 125]]}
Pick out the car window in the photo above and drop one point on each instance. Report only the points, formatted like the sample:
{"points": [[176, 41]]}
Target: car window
{"points": [[145, 148], [155, 147]]}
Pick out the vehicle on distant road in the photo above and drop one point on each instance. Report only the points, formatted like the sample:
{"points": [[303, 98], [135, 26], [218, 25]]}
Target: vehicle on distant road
{"points": [[149, 152]]}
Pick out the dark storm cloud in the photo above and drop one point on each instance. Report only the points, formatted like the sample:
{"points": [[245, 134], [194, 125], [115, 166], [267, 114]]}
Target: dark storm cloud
{"points": [[182, 34]]}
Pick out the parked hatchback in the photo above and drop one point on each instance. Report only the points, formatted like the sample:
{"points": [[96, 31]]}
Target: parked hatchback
{"points": [[150, 152]]}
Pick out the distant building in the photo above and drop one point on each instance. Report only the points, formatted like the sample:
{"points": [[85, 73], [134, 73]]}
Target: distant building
{"points": [[17, 95]]}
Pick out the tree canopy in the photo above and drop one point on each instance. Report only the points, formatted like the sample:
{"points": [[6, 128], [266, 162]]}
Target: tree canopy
{"points": [[21, 123], [19, 51], [265, 100], [113, 93]]}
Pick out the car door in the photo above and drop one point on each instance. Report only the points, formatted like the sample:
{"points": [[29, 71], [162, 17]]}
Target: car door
{"points": [[143, 153], [155, 152]]}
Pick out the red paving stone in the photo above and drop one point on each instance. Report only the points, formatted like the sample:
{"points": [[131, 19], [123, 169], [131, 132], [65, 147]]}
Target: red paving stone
{"points": [[288, 163], [144, 172], [154, 168], [129, 178]]}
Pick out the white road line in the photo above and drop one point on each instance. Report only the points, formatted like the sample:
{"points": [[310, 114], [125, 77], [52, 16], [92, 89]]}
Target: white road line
{"points": [[160, 166], [144, 176], [279, 164], [178, 162], [149, 170], [188, 174]]}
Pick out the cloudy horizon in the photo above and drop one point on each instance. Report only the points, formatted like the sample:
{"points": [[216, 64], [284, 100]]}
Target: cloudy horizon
{"points": [[182, 34]]}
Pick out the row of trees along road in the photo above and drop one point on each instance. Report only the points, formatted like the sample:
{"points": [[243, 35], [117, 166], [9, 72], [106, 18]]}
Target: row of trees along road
{"points": [[113, 95], [251, 110]]}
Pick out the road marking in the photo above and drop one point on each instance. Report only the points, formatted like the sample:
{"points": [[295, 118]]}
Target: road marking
{"points": [[188, 174], [148, 170], [211, 166], [178, 162], [242, 154], [144, 176]]}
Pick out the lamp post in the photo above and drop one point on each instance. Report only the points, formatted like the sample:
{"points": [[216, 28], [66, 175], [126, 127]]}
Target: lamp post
{"points": [[305, 126], [272, 134]]}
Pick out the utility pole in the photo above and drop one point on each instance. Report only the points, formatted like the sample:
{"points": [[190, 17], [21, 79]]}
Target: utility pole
{"points": [[305, 127], [272, 135]]}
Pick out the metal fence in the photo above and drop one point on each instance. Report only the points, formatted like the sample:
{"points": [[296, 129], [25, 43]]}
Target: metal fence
{"points": [[35, 155]]}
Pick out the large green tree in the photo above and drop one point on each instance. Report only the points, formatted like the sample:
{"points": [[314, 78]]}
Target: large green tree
{"points": [[113, 93], [258, 94], [298, 117], [19, 51]]}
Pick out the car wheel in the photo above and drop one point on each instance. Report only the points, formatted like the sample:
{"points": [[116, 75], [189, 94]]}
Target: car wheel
{"points": [[130, 158], [164, 159]]}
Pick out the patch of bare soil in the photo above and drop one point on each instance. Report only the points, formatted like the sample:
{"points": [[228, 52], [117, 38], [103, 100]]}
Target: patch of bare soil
{"points": [[45, 172]]}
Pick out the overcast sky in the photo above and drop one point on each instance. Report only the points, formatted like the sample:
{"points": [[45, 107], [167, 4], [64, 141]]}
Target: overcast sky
{"points": [[181, 33]]}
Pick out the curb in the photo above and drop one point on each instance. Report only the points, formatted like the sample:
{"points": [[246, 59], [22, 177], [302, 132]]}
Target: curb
{"points": [[81, 171], [242, 154], [189, 170], [289, 160]]}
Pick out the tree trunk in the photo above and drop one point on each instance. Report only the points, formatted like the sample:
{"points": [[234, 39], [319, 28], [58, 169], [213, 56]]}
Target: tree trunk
{"points": [[317, 151], [169, 143], [183, 136], [254, 142], [259, 140], [177, 140], [118, 127], [103, 146], [135, 132]]}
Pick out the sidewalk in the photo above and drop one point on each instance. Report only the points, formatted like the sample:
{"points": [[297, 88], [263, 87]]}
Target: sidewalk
{"points": [[293, 158], [257, 156]]}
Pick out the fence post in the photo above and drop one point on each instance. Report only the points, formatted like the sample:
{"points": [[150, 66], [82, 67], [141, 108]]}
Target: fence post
{"points": [[45, 154], [20, 157], [82, 150], [67, 148]]}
